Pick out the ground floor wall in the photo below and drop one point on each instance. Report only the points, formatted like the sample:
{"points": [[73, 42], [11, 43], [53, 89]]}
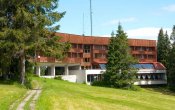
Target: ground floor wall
{"points": [[73, 73]]}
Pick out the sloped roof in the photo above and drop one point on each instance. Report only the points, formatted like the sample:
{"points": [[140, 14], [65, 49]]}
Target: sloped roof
{"points": [[142, 42], [157, 65], [79, 39]]}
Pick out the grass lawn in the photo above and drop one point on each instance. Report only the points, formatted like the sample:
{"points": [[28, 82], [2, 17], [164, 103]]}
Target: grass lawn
{"points": [[62, 95], [9, 93]]}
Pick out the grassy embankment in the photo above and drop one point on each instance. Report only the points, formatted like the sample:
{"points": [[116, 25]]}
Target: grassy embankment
{"points": [[10, 93], [62, 95]]}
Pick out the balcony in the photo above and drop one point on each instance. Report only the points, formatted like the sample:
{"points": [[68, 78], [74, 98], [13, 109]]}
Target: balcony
{"points": [[45, 59], [76, 50], [100, 60], [147, 60], [99, 51], [143, 52], [86, 55], [73, 60], [86, 64]]}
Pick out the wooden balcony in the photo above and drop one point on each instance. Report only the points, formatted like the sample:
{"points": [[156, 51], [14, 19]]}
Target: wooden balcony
{"points": [[86, 55], [100, 60], [86, 64], [99, 51], [45, 59], [76, 50], [147, 60], [73, 60], [144, 52]]}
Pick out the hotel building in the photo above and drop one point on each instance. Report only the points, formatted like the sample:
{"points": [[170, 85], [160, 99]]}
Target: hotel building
{"points": [[85, 61]]}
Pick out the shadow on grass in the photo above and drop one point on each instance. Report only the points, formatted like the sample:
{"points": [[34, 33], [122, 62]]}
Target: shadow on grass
{"points": [[8, 82], [161, 89]]}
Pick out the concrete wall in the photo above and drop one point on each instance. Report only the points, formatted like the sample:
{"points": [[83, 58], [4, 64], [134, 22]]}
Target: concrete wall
{"points": [[98, 71], [80, 75], [70, 78]]}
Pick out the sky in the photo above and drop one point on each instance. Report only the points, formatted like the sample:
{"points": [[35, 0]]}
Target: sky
{"points": [[140, 19]]}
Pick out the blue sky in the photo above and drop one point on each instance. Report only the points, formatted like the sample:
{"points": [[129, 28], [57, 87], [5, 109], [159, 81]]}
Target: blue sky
{"points": [[141, 19]]}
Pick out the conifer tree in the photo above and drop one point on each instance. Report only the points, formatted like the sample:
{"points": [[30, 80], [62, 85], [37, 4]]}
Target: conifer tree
{"points": [[26, 28], [171, 67], [119, 72], [160, 45], [163, 47]]}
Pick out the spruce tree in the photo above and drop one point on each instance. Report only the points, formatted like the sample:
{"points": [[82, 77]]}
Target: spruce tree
{"points": [[160, 45], [119, 72], [171, 67], [163, 47], [26, 29]]}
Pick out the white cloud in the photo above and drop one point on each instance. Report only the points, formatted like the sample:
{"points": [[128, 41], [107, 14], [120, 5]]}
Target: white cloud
{"points": [[146, 33], [170, 8], [150, 33], [123, 20]]}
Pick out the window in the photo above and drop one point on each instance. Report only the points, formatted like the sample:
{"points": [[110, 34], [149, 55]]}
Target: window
{"points": [[86, 51], [75, 55], [94, 77], [79, 55], [143, 66], [86, 59], [80, 46], [102, 66], [74, 45], [151, 49], [100, 47], [87, 48]]}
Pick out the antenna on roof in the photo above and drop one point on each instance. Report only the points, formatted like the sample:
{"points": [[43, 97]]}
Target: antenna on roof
{"points": [[91, 16], [83, 24]]}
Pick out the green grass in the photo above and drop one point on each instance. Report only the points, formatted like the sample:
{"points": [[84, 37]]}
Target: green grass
{"points": [[62, 95], [9, 93]]}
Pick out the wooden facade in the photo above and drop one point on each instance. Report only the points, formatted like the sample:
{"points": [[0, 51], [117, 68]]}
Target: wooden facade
{"points": [[90, 51]]}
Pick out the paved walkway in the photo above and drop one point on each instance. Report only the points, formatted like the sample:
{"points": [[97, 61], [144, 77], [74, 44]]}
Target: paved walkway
{"points": [[31, 96]]}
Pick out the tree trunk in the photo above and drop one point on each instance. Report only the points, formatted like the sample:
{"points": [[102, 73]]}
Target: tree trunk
{"points": [[22, 67]]}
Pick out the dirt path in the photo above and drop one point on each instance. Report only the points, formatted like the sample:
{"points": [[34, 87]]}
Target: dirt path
{"points": [[33, 102], [31, 96]]}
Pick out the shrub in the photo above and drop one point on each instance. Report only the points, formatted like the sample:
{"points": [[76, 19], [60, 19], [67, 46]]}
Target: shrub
{"points": [[100, 83], [58, 78]]}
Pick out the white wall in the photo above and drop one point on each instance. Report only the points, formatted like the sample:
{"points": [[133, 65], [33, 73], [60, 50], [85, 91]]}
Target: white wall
{"points": [[80, 75], [94, 71], [151, 71], [70, 78]]}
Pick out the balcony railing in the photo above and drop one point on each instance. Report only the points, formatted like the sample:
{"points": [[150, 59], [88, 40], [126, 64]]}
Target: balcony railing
{"points": [[45, 59], [73, 60], [77, 50]]}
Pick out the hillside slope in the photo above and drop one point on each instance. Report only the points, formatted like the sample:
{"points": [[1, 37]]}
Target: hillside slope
{"points": [[62, 95]]}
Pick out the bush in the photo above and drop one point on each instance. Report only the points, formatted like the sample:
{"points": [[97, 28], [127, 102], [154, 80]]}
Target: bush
{"points": [[28, 83], [58, 78], [135, 88], [100, 83], [171, 88]]}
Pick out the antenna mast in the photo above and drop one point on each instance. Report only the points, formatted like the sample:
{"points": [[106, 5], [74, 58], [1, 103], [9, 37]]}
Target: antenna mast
{"points": [[83, 24], [91, 16]]}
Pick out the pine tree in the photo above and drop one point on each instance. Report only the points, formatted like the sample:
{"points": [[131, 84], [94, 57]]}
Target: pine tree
{"points": [[171, 67], [119, 72], [26, 28]]}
